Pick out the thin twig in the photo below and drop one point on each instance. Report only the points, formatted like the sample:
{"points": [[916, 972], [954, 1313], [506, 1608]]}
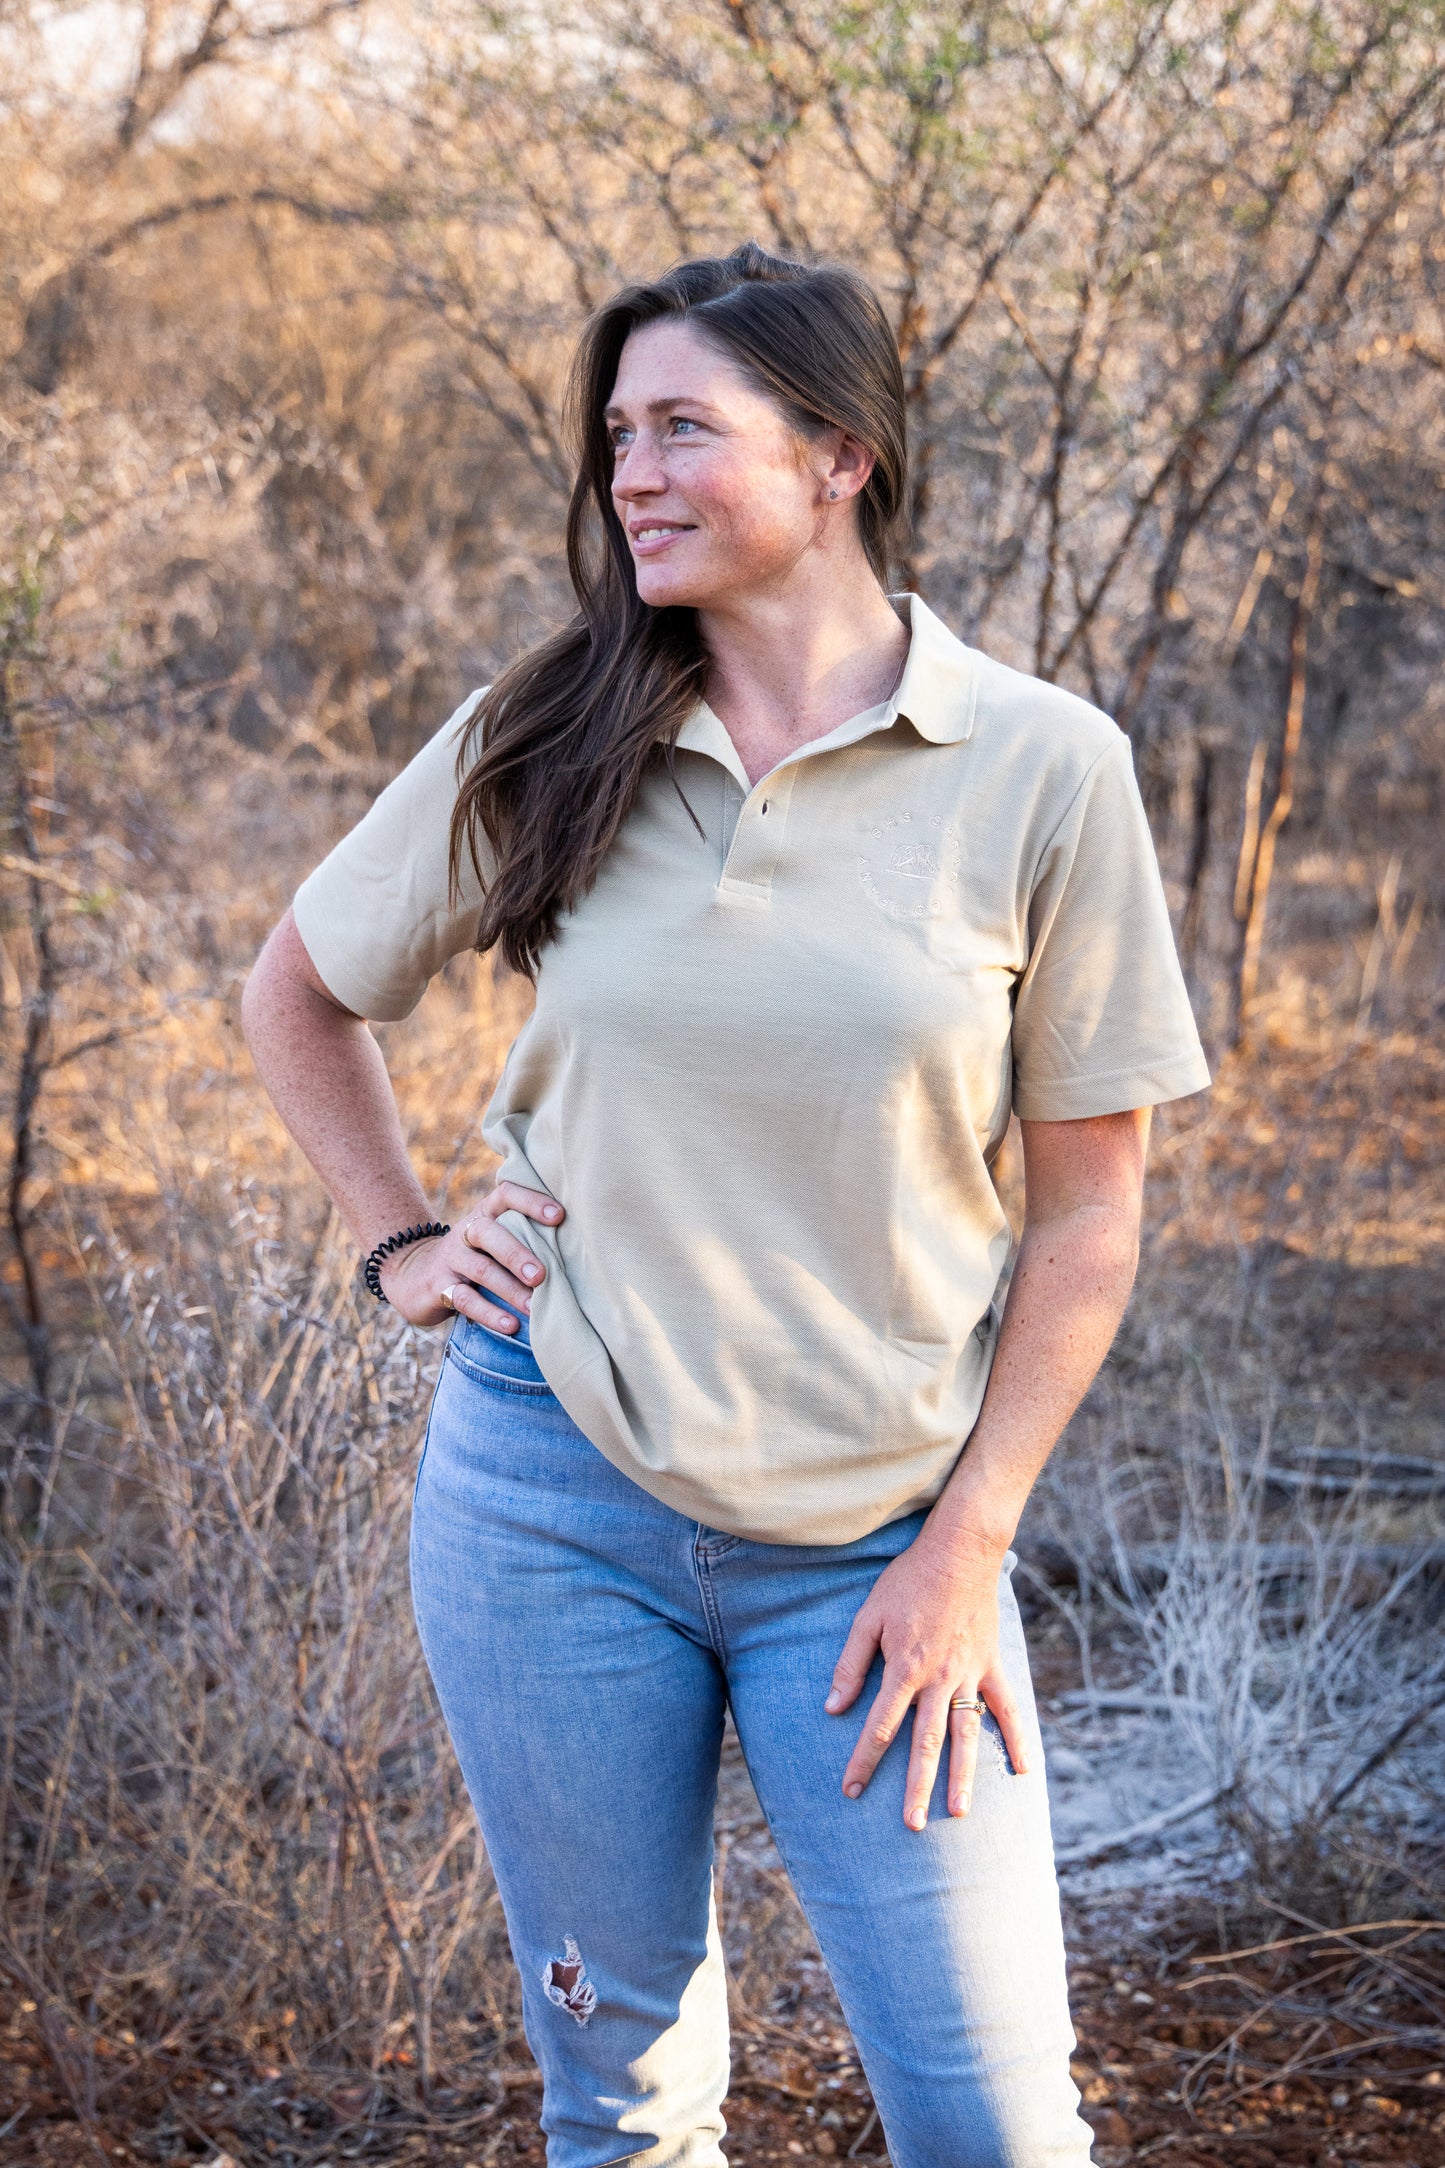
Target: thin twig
{"points": [[1320, 1934]]}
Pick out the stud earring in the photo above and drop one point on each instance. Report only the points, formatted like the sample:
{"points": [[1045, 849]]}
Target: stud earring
{"points": [[832, 493]]}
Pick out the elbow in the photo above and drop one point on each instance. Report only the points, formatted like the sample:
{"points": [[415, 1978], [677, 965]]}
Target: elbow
{"points": [[285, 1001], [277, 986], [257, 994]]}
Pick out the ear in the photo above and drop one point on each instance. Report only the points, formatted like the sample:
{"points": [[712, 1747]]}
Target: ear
{"points": [[847, 470]]}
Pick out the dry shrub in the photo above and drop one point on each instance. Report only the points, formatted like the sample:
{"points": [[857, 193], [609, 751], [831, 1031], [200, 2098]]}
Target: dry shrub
{"points": [[235, 1828], [1247, 1529], [1300, 1656], [234, 1837]]}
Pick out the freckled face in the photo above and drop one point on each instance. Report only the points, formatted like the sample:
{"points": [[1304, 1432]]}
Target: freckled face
{"points": [[710, 481]]}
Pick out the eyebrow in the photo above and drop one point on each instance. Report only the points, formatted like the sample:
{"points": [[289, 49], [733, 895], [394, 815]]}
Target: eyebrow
{"points": [[612, 412]]}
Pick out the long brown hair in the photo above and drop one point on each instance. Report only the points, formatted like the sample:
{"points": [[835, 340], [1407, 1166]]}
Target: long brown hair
{"points": [[554, 756]]}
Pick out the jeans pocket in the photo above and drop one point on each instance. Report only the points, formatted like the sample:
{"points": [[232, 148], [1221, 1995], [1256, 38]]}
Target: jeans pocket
{"points": [[495, 1359]]}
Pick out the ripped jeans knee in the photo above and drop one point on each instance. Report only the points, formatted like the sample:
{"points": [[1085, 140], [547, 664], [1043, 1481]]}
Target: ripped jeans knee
{"points": [[565, 1982]]}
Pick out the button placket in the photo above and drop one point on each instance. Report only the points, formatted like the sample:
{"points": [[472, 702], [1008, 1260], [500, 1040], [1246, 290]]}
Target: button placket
{"points": [[744, 847], [758, 833]]}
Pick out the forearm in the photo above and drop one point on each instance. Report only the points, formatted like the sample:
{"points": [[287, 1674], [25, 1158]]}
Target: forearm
{"points": [[328, 1081], [1069, 1290]]}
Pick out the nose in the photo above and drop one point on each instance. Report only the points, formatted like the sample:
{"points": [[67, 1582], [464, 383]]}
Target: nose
{"points": [[638, 472]]}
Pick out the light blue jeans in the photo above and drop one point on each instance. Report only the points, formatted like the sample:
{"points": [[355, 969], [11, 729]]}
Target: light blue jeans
{"points": [[584, 1640]]}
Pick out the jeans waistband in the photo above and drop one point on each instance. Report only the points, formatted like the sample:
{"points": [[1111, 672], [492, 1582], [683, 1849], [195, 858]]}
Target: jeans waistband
{"points": [[523, 1334]]}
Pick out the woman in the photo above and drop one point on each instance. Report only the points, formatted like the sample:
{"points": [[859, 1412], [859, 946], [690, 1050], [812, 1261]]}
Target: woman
{"points": [[813, 895]]}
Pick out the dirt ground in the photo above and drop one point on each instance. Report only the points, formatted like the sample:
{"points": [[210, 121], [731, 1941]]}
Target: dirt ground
{"points": [[1150, 2090]]}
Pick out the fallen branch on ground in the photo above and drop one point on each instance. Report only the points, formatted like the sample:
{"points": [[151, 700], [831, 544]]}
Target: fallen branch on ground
{"points": [[1081, 1855]]}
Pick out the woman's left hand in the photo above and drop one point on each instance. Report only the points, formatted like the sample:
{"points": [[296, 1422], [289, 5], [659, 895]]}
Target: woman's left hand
{"points": [[934, 1614]]}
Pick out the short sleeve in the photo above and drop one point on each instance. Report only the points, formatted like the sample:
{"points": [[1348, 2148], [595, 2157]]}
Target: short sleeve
{"points": [[1102, 1020], [377, 916]]}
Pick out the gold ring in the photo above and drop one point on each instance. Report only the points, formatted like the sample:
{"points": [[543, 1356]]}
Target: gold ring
{"points": [[977, 1704], [447, 1292]]}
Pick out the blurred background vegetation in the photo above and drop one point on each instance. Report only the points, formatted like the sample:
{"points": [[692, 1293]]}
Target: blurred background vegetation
{"points": [[286, 295]]}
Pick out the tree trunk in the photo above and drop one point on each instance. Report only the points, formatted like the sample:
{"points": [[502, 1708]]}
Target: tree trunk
{"points": [[1259, 867]]}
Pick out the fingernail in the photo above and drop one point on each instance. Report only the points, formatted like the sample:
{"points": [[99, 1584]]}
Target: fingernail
{"points": [[963, 1803], [533, 1272], [916, 1817], [1021, 1766], [526, 1304], [554, 1211], [834, 1700], [851, 1791]]}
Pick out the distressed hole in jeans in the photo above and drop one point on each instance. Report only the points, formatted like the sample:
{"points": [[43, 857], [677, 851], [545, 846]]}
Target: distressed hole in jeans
{"points": [[565, 1982], [991, 1732]]}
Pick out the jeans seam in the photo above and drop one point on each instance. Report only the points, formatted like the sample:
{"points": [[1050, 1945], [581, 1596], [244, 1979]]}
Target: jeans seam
{"points": [[702, 1572], [425, 1442]]}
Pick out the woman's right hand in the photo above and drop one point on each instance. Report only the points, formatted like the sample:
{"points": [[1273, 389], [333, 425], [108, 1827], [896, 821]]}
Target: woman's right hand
{"points": [[478, 1253]]}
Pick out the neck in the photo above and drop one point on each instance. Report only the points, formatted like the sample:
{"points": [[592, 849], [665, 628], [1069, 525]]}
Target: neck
{"points": [[789, 665]]}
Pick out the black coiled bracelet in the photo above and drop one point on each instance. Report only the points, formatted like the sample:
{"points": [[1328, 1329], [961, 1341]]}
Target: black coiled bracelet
{"points": [[371, 1270]]}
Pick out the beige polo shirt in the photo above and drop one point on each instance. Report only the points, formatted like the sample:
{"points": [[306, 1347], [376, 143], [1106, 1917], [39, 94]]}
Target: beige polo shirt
{"points": [[769, 1068]]}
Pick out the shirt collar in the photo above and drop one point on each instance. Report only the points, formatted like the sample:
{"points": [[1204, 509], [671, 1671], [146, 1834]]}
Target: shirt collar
{"points": [[936, 694], [938, 690]]}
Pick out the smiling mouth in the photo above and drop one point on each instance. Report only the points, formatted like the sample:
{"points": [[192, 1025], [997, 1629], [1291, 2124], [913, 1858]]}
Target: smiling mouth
{"points": [[650, 538]]}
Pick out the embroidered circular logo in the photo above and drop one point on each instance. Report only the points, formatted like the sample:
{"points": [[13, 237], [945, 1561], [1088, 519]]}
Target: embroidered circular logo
{"points": [[910, 862]]}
